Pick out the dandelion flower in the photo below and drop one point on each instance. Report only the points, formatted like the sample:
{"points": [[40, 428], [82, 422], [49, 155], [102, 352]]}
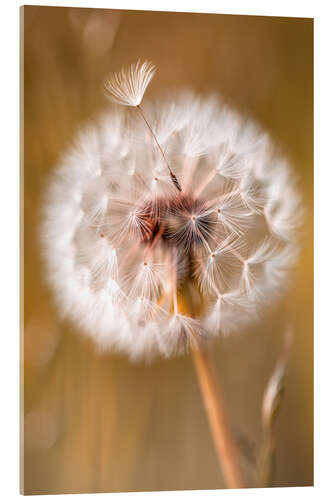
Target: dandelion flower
{"points": [[186, 203]]}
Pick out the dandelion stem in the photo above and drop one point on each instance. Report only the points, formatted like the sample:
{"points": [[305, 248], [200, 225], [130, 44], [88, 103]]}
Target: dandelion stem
{"points": [[172, 175], [224, 443], [205, 183]]}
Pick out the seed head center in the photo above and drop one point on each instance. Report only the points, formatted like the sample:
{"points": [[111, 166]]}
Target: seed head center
{"points": [[164, 221]]}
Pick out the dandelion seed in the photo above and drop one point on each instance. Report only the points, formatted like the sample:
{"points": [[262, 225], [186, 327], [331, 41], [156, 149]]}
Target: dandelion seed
{"points": [[129, 85], [233, 215]]}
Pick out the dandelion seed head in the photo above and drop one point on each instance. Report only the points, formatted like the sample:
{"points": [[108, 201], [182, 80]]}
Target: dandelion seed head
{"points": [[126, 228]]}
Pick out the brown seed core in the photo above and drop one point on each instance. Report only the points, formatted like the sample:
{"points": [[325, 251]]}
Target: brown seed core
{"points": [[165, 221]]}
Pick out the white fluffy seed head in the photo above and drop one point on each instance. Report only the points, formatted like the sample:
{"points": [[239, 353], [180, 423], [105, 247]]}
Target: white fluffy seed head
{"points": [[122, 242]]}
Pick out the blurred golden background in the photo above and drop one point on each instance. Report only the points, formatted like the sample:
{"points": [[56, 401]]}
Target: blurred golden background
{"points": [[98, 423]]}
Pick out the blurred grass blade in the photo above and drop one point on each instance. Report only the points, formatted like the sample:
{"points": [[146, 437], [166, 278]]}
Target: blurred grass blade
{"points": [[271, 404]]}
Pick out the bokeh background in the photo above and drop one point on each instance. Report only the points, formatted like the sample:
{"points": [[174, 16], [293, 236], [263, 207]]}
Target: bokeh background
{"points": [[97, 423]]}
